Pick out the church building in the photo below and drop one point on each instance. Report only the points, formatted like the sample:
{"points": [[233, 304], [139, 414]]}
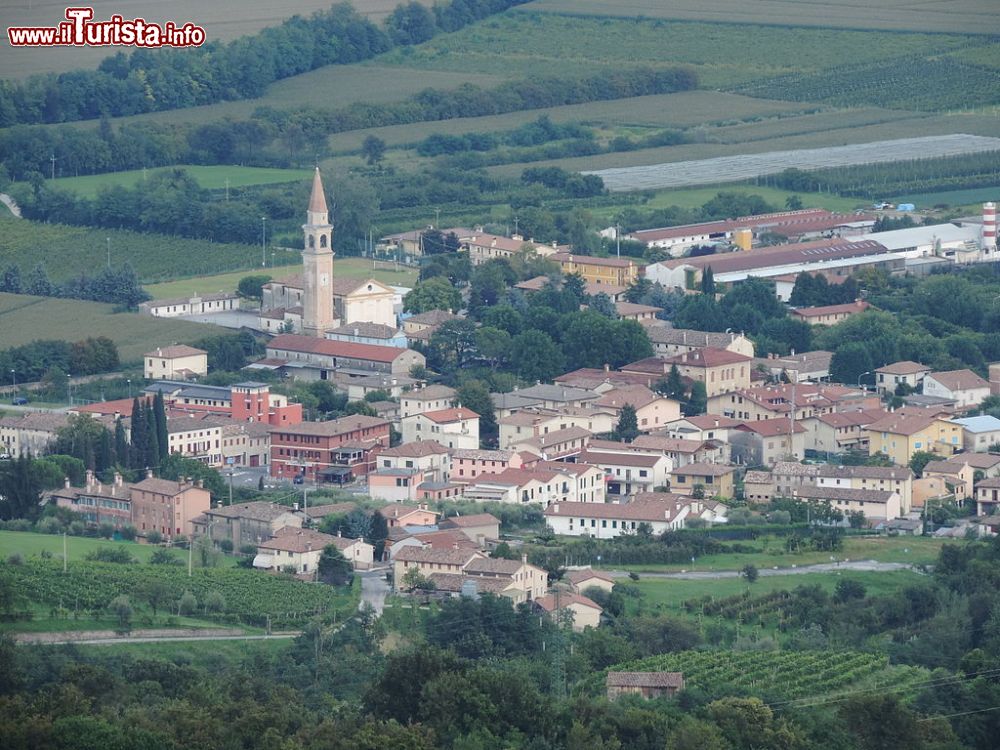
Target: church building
{"points": [[315, 302]]}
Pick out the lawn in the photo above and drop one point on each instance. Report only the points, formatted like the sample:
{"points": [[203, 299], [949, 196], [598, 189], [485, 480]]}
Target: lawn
{"points": [[353, 268], [958, 16], [24, 319], [29, 544], [772, 554], [973, 198], [671, 593], [211, 178], [45, 620]]}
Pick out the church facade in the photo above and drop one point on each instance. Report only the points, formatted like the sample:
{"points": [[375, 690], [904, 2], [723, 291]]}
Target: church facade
{"points": [[315, 301]]}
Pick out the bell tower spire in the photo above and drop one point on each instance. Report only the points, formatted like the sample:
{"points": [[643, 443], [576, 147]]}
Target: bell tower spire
{"points": [[317, 261]]}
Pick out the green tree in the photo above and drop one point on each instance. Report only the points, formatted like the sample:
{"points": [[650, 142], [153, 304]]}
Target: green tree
{"points": [[252, 287], [373, 150], [697, 403], [360, 407], [121, 608], [433, 294], [333, 567], [708, 282], [750, 573], [627, 428], [475, 395], [919, 460], [536, 356]]}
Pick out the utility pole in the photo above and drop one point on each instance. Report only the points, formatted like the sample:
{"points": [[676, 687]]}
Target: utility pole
{"points": [[53, 160], [227, 190], [190, 558], [109, 252], [263, 242], [618, 238], [64, 552]]}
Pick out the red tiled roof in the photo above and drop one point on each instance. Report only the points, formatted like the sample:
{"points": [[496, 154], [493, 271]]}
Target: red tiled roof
{"points": [[772, 427], [708, 357], [593, 260], [816, 312], [446, 416], [550, 602], [959, 380], [293, 342]]}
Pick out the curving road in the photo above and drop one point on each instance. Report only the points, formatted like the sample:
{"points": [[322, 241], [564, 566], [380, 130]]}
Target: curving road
{"points": [[374, 589], [695, 575]]}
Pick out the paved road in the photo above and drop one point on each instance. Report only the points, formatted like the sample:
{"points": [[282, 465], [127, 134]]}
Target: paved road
{"points": [[694, 575], [166, 639], [374, 589]]}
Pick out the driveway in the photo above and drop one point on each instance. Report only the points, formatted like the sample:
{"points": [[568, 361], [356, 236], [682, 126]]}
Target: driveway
{"points": [[374, 589]]}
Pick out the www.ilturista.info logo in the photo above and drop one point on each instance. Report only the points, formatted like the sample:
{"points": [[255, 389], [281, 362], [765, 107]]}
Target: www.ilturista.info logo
{"points": [[79, 30]]}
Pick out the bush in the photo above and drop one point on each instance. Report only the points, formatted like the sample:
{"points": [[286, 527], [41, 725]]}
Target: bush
{"points": [[128, 532], [15, 559], [106, 530], [187, 604], [50, 525], [110, 555], [226, 545], [154, 537], [164, 557], [215, 603]]}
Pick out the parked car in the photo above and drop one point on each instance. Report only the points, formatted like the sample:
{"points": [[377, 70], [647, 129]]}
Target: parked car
{"points": [[19, 400], [299, 479]]}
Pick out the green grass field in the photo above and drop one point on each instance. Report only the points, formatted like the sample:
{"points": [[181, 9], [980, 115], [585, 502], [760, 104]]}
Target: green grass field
{"points": [[29, 544], [66, 251], [973, 198], [24, 319], [771, 554], [345, 267], [956, 16], [671, 593], [211, 178]]}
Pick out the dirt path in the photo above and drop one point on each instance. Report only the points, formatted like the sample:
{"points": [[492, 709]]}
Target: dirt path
{"points": [[163, 635], [374, 589]]}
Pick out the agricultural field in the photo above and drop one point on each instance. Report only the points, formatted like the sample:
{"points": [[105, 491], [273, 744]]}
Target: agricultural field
{"points": [[68, 250], [333, 86], [210, 178], [28, 545], [74, 320], [798, 676], [972, 198], [953, 16], [685, 109], [220, 21], [250, 595], [771, 553], [353, 268], [748, 166], [209, 654], [723, 55]]}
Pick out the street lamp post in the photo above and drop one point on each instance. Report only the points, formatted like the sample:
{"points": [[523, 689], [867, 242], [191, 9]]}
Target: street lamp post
{"points": [[864, 387], [13, 375], [129, 381]]}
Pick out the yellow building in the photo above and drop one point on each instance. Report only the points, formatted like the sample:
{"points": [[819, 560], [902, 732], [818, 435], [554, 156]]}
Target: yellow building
{"points": [[617, 271], [899, 436], [178, 362]]}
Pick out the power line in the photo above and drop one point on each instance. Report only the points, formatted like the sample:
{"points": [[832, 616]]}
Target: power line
{"points": [[960, 713]]}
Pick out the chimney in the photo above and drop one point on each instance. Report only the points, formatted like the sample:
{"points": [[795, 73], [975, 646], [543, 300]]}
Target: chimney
{"points": [[309, 546], [118, 479], [66, 483], [524, 559], [295, 506], [90, 478], [200, 484], [149, 473]]}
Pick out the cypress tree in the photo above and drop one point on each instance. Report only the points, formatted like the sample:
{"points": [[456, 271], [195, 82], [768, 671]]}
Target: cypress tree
{"points": [[160, 415], [140, 437], [152, 440], [121, 456]]}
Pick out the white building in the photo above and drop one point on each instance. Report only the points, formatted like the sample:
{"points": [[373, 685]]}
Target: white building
{"points": [[963, 387], [177, 362], [455, 427]]}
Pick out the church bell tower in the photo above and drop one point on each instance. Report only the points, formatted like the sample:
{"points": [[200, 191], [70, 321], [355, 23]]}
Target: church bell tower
{"points": [[317, 261]]}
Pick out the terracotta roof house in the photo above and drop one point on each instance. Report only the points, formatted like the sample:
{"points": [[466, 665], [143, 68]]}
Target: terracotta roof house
{"points": [[964, 386], [581, 580], [829, 315], [646, 684], [586, 613]]}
